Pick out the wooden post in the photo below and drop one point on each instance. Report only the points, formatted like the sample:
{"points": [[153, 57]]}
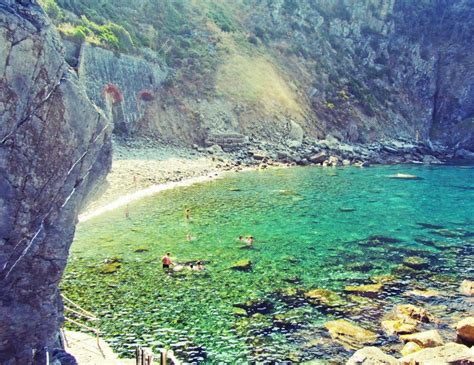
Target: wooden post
{"points": [[163, 359]]}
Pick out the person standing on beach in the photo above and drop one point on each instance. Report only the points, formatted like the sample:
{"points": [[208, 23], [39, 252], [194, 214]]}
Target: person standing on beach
{"points": [[166, 260]]}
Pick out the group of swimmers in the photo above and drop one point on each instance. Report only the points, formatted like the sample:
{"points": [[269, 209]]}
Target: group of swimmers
{"points": [[167, 263]]}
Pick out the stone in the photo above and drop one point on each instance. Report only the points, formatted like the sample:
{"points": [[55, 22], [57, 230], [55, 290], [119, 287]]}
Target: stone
{"points": [[451, 353], [242, 265], [431, 160], [410, 348], [428, 293], [141, 249], [239, 311], [369, 290], [416, 262], [424, 339], [333, 161], [400, 176], [346, 162], [215, 149], [371, 356], [384, 279], [295, 135], [350, 335], [399, 327], [465, 330], [55, 151], [324, 297], [467, 288], [110, 268], [318, 157], [411, 312]]}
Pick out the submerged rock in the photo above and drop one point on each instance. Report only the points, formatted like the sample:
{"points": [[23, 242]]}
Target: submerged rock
{"points": [[369, 290], [424, 339], [416, 262], [242, 265], [350, 335], [371, 356], [465, 330], [324, 297], [467, 288], [110, 268], [428, 293], [451, 353]]}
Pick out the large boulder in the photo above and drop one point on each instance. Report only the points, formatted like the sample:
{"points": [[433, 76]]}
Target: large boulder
{"points": [[451, 353], [465, 330], [467, 288], [371, 356], [55, 146], [424, 339], [350, 335]]}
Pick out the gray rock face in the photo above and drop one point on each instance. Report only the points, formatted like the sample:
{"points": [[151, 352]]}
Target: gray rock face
{"points": [[392, 68], [131, 75], [54, 147]]}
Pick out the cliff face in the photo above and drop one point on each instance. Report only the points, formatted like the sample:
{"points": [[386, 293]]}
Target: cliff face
{"points": [[358, 70], [54, 147]]}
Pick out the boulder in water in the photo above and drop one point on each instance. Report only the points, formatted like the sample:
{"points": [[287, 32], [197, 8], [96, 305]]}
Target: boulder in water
{"points": [[428, 293], [465, 330], [451, 353], [318, 158], [324, 297], [242, 265], [370, 356], [411, 312], [350, 335], [424, 339], [467, 288], [369, 290], [110, 267], [416, 262]]}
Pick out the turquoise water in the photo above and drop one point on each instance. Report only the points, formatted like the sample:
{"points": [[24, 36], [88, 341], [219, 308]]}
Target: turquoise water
{"points": [[313, 228]]}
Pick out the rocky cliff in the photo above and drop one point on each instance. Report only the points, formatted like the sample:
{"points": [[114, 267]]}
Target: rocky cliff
{"points": [[54, 147], [357, 70]]}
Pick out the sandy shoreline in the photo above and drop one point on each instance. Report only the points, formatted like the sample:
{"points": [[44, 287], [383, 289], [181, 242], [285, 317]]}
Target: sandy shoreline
{"points": [[149, 191], [139, 171]]}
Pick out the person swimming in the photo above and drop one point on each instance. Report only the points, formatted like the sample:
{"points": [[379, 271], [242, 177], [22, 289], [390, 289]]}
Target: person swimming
{"points": [[187, 214], [166, 261]]}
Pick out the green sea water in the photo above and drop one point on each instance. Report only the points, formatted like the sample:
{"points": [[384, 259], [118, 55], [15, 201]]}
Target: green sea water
{"points": [[313, 228]]}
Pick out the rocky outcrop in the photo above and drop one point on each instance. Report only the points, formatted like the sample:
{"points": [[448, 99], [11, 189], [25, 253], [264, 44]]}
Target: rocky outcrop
{"points": [[136, 79], [54, 147], [371, 356], [451, 353]]}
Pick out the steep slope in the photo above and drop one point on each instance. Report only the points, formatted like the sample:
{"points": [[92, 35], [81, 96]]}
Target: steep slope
{"points": [[358, 70], [54, 148]]}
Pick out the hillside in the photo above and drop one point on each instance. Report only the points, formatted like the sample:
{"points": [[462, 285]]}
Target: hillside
{"points": [[357, 70]]}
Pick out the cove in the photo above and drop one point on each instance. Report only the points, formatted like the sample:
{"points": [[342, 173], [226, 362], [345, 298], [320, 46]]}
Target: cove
{"points": [[314, 228]]}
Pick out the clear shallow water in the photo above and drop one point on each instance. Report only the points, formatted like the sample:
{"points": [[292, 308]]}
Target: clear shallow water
{"points": [[312, 229]]}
